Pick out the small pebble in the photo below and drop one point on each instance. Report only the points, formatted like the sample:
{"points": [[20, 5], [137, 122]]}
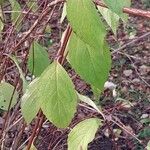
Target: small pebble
{"points": [[144, 116], [127, 73]]}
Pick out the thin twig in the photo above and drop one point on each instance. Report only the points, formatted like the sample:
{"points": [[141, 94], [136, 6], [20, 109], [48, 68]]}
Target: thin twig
{"points": [[135, 68], [40, 115], [113, 119], [14, 124], [3, 133], [18, 137], [45, 12], [121, 125], [130, 11], [135, 40], [94, 110]]}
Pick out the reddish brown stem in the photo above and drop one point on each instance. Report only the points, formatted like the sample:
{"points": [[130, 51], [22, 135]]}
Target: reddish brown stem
{"points": [[130, 11], [18, 137], [37, 124], [60, 54], [137, 12]]}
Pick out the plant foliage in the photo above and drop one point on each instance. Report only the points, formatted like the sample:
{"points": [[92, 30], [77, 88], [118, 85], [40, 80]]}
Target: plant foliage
{"points": [[52, 91], [82, 134], [7, 96]]}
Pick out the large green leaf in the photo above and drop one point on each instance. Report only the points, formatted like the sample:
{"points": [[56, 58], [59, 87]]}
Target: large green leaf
{"points": [[38, 59], [88, 53], [6, 92], [30, 104], [58, 95], [111, 18], [86, 22], [117, 7], [54, 93], [91, 64], [82, 134]]}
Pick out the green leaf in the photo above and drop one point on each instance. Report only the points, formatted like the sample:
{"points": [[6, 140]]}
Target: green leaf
{"points": [[92, 65], [87, 100], [54, 93], [145, 133], [111, 18], [82, 134], [1, 2], [16, 10], [32, 5], [32, 147], [25, 84], [117, 7], [58, 96], [86, 22], [38, 59], [1, 26], [64, 13], [1, 18], [88, 53], [30, 103], [148, 146], [6, 91], [48, 30], [145, 120], [96, 93]]}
